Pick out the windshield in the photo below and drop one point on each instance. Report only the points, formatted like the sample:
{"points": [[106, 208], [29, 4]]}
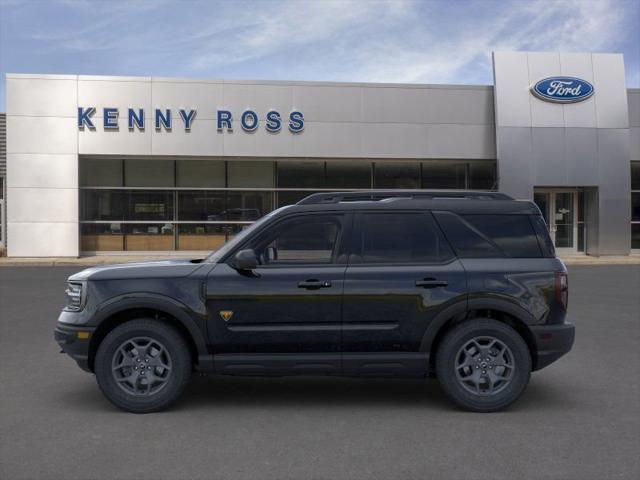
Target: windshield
{"points": [[216, 255]]}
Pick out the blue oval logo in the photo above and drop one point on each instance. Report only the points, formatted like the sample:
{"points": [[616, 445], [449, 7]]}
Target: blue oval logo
{"points": [[562, 89]]}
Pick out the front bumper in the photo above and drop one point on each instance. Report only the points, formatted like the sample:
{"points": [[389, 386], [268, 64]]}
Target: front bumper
{"points": [[552, 342], [74, 341]]}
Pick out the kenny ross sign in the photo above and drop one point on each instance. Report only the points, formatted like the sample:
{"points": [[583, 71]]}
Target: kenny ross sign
{"points": [[162, 119]]}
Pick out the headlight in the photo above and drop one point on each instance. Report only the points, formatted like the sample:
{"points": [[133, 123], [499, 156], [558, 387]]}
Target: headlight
{"points": [[75, 293]]}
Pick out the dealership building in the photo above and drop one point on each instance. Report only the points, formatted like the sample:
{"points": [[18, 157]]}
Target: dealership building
{"points": [[105, 165]]}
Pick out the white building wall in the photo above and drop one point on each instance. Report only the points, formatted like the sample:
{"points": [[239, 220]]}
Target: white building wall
{"points": [[42, 166]]}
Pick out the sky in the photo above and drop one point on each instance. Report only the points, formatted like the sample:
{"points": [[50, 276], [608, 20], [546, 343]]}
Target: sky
{"points": [[403, 41]]}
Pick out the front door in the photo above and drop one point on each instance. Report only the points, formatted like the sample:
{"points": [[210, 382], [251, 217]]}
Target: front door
{"points": [[559, 208], [289, 307], [401, 274]]}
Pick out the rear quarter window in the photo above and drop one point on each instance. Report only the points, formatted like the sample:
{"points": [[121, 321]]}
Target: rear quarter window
{"points": [[490, 236]]}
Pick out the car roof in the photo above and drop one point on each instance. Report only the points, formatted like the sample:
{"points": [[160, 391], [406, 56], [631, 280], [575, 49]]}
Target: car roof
{"points": [[457, 201]]}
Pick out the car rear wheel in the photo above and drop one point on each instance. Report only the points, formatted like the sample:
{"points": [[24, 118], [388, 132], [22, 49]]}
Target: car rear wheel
{"points": [[483, 365], [143, 365]]}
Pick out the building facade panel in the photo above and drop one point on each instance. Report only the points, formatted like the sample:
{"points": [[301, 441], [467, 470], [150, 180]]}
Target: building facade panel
{"points": [[581, 114], [511, 80], [176, 164], [175, 95], [553, 166], [123, 94], [544, 65], [611, 95], [329, 103], [461, 106], [50, 205], [395, 105], [30, 134], [259, 98], [42, 97], [117, 141], [29, 170], [41, 239]]}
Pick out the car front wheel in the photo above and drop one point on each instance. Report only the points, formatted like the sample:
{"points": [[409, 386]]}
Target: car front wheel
{"points": [[483, 365], [143, 365]]}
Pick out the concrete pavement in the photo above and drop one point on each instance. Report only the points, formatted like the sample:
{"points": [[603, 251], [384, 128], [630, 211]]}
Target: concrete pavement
{"points": [[579, 418]]}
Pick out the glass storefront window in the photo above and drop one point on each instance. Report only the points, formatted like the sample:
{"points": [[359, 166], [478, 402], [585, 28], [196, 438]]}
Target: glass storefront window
{"points": [[397, 175], [247, 206], [101, 237], [291, 198], [635, 175], [346, 175], [443, 175], [635, 236], [148, 237], [101, 172], [200, 173], [635, 206], [203, 236], [150, 205], [258, 174], [103, 205], [203, 191], [482, 176], [300, 174], [201, 205], [149, 173]]}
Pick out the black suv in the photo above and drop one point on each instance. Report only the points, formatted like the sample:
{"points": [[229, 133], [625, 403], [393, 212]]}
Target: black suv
{"points": [[463, 286]]}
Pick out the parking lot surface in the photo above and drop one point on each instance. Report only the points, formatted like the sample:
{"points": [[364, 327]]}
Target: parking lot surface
{"points": [[579, 418]]}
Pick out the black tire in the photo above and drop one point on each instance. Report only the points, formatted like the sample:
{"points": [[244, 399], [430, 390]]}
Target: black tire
{"points": [[454, 362], [173, 364]]}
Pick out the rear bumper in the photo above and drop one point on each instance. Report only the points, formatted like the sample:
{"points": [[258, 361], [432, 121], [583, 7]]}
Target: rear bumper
{"points": [[73, 344], [552, 342]]}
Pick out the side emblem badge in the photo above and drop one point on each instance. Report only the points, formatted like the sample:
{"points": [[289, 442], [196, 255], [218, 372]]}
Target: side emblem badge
{"points": [[226, 315]]}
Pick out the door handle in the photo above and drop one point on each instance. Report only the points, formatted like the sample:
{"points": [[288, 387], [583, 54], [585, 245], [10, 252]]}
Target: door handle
{"points": [[431, 283], [314, 284]]}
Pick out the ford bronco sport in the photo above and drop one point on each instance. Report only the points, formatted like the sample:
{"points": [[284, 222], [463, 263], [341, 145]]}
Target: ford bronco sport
{"points": [[463, 286]]}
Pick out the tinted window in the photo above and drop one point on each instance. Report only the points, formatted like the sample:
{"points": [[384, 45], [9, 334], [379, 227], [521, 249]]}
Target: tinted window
{"points": [[513, 234], [401, 238], [348, 175], [397, 175], [491, 235], [303, 239], [465, 239], [635, 175], [542, 231], [300, 174], [482, 175], [443, 175]]}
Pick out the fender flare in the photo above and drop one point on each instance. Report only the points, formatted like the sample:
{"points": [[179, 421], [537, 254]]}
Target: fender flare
{"points": [[183, 314], [477, 303]]}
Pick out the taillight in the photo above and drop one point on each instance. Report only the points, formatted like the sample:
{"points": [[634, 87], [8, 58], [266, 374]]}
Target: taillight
{"points": [[562, 289]]}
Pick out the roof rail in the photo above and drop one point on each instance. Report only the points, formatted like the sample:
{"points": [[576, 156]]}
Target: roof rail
{"points": [[379, 195]]}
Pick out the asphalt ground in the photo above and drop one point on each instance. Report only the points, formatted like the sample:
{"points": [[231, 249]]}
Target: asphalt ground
{"points": [[579, 418]]}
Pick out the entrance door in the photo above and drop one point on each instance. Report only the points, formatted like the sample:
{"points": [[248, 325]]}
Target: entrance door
{"points": [[560, 209]]}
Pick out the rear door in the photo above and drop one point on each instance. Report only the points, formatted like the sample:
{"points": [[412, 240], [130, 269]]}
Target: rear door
{"points": [[401, 274]]}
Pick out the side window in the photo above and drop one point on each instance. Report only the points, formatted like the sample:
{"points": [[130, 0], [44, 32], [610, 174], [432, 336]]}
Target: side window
{"points": [[544, 240], [513, 234], [301, 239], [401, 238], [467, 241], [490, 236]]}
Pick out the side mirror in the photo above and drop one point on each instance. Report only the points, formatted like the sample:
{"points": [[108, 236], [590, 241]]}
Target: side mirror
{"points": [[272, 254], [245, 260]]}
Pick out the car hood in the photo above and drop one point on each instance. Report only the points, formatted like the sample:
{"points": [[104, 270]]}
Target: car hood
{"points": [[150, 269]]}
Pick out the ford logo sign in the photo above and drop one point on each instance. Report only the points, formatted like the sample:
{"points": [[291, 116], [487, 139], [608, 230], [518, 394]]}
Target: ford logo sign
{"points": [[562, 89]]}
